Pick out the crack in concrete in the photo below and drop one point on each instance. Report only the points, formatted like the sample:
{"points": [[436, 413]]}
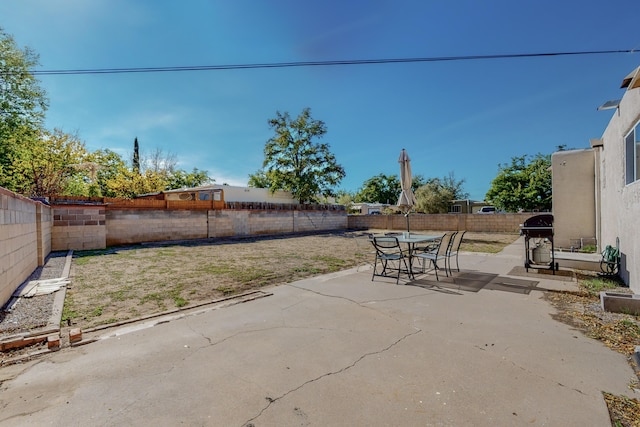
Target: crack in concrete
{"points": [[359, 304], [362, 304], [272, 400], [212, 343]]}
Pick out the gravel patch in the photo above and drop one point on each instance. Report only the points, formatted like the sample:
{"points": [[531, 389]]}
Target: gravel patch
{"points": [[28, 314]]}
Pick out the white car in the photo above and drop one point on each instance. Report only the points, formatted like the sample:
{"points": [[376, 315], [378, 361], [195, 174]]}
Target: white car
{"points": [[487, 210]]}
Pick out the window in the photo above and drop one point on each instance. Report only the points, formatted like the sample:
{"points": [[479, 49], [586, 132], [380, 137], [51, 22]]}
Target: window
{"points": [[455, 209], [632, 152]]}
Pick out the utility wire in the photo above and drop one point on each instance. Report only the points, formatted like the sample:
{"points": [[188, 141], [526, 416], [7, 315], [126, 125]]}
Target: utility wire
{"points": [[318, 63]]}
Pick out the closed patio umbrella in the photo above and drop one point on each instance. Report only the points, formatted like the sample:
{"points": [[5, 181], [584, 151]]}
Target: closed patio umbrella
{"points": [[407, 199]]}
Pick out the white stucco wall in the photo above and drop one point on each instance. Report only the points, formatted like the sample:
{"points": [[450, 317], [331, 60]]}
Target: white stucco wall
{"points": [[574, 197], [240, 194], [620, 203], [250, 194]]}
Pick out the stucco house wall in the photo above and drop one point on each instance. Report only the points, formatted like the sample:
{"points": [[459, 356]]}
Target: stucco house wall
{"points": [[620, 202], [574, 198]]}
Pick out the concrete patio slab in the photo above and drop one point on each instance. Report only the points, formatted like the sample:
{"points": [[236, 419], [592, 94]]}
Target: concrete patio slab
{"points": [[338, 349]]}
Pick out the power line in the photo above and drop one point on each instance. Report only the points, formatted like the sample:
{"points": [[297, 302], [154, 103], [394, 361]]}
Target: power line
{"points": [[318, 63]]}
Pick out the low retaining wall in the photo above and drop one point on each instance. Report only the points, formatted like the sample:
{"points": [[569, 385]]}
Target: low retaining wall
{"points": [[126, 227], [25, 233], [136, 226], [225, 223], [495, 223], [96, 227], [78, 227]]}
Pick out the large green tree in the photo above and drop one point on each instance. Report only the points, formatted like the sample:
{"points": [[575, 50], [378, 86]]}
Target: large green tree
{"points": [[114, 178], [379, 189], [524, 184], [294, 161], [46, 164], [384, 189], [181, 179], [437, 194], [22, 107], [259, 180]]}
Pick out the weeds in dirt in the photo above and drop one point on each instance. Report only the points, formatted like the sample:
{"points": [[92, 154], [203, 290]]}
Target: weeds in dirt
{"points": [[225, 290], [595, 285], [618, 331], [306, 269], [623, 411], [68, 312]]}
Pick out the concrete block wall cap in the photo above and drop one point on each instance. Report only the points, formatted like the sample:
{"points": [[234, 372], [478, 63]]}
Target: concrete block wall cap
{"points": [[53, 342], [75, 335], [618, 295]]}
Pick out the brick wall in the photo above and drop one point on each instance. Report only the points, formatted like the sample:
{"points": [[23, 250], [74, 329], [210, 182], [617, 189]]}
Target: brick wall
{"points": [[24, 230], [79, 227]]}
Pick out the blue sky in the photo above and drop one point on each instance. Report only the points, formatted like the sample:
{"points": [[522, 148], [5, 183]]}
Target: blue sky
{"points": [[465, 117]]}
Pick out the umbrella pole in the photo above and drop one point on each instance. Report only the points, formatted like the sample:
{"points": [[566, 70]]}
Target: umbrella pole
{"points": [[407, 215]]}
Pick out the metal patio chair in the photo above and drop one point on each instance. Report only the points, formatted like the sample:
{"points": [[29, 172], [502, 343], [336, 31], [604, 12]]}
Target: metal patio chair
{"points": [[389, 257], [363, 246], [439, 253], [454, 248]]}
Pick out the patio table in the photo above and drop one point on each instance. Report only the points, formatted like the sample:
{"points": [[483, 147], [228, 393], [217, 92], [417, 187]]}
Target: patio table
{"points": [[411, 239]]}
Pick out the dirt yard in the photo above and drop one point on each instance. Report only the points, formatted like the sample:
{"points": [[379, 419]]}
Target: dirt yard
{"points": [[125, 283]]}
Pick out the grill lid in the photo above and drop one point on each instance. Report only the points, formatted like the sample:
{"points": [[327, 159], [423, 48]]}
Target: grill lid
{"points": [[540, 221], [538, 226]]}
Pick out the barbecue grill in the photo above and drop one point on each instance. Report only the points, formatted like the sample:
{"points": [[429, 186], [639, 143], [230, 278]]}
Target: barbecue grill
{"points": [[538, 242]]}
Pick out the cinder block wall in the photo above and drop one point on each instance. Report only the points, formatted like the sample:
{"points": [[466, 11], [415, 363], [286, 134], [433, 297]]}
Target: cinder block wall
{"points": [[44, 226], [78, 227], [23, 233], [307, 221], [136, 226], [497, 223], [226, 223]]}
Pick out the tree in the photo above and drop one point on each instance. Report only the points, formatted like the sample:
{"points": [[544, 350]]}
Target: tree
{"points": [[346, 198], [22, 106], [160, 162], [525, 184], [129, 184], [295, 162], [379, 189], [182, 179], [436, 195], [136, 156], [44, 166], [259, 180], [109, 166]]}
